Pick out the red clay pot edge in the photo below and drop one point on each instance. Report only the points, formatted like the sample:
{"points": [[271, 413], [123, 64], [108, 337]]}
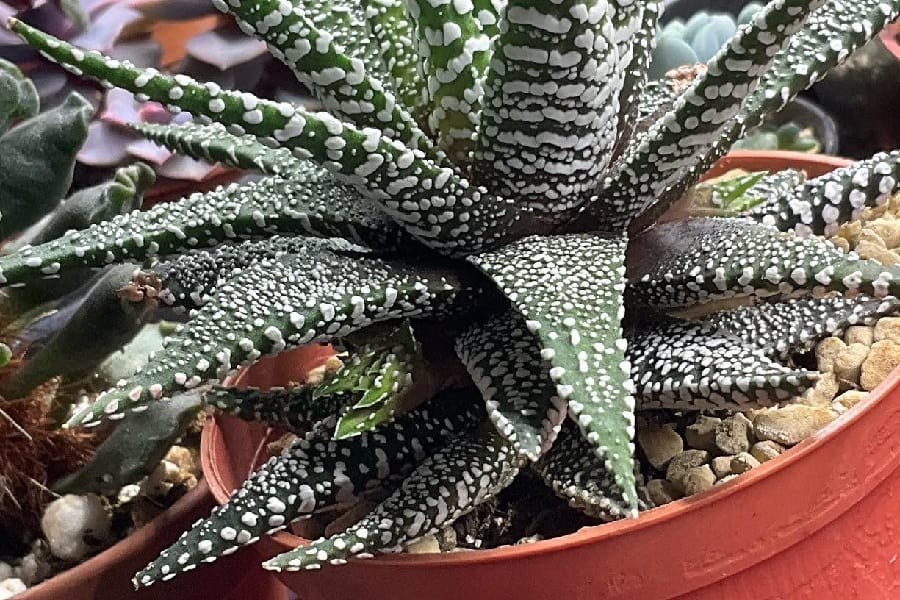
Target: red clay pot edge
{"points": [[815, 165]]}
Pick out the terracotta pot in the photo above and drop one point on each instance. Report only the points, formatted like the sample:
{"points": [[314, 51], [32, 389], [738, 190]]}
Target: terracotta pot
{"points": [[107, 576], [819, 522], [890, 37]]}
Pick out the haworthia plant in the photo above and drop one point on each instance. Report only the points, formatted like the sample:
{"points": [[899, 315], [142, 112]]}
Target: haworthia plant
{"points": [[499, 167]]}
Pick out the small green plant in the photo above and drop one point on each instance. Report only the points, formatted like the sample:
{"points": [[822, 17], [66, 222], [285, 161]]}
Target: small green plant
{"points": [[500, 169], [788, 136]]}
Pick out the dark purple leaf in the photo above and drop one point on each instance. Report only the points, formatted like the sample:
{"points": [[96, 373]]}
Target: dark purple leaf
{"points": [[173, 10], [105, 145], [182, 167], [106, 28], [224, 47]]}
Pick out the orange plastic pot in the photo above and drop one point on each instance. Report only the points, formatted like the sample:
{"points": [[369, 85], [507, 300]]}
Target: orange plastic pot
{"points": [[107, 576], [820, 522]]}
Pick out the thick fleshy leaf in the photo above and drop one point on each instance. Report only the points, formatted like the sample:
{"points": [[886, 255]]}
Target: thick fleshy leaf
{"points": [[343, 83], [214, 144], [820, 205], [684, 262], [312, 474], [37, 161], [634, 36], [569, 289], [796, 325], [79, 345], [192, 278], [453, 53], [414, 190], [697, 366], [451, 482], [134, 448], [297, 409], [123, 193], [701, 114], [394, 36], [313, 295], [206, 219], [18, 96], [504, 360], [551, 105], [574, 473]]}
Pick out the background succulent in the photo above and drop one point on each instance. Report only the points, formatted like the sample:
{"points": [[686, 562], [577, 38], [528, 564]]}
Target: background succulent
{"points": [[501, 170], [681, 42]]}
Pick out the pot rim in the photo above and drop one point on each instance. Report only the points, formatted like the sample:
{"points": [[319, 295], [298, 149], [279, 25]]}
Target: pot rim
{"points": [[659, 515]]}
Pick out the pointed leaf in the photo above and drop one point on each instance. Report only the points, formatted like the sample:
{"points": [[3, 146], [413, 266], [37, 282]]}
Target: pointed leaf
{"points": [[309, 475], [206, 219], [212, 143], [569, 290], [551, 104], [574, 473], [451, 482], [344, 84], [380, 374], [831, 34], [682, 263], [411, 188], [818, 206], [696, 366], [796, 325], [313, 295], [504, 360]]}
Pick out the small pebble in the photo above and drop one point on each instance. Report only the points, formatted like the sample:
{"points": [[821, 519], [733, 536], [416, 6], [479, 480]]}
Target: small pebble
{"points": [[888, 328], [701, 435], [696, 480], [424, 545], [791, 424], [860, 334], [727, 478], [733, 435], [766, 450], [721, 466], [10, 587], [682, 464], [6, 570], [661, 492], [886, 229], [848, 364], [660, 444], [881, 360], [847, 400], [823, 392], [826, 351], [743, 462], [75, 526]]}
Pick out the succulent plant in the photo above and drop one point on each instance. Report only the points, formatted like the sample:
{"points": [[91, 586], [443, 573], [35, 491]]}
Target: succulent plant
{"points": [[697, 40], [53, 318], [787, 136], [500, 168]]}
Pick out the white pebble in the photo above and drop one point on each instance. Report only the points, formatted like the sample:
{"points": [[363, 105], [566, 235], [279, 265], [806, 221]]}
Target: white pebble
{"points": [[69, 520]]}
